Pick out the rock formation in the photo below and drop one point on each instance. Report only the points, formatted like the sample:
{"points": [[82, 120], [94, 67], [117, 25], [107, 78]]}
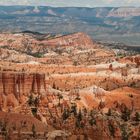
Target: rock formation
{"points": [[16, 85], [69, 87], [28, 44]]}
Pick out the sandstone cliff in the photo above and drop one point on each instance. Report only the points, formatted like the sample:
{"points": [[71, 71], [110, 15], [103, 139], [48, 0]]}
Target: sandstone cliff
{"points": [[15, 85]]}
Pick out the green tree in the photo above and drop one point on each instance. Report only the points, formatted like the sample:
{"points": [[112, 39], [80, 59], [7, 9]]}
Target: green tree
{"points": [[78, 123], [109, 113], [79, 115], [92, 121], [59, 98], [74, 109], [111, 129], [137, 116], [126, 114], [65, 114], [126, 133], [38, 55], [31, 100], [4, 131], [34, 111], [36, 102]]}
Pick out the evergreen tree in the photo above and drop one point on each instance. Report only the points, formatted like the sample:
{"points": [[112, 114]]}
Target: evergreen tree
{"points": [[79, 116], [59, 97], [34, 111], [137, 116], [125, 132], [31, 100], [65, 114], [111, 129], [74, 109], [36, 102], [79, 119], [109, 113], [126, 114], [92, 121]]}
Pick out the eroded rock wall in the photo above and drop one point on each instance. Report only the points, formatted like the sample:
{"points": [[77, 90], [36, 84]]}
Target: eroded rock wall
{"points": [[21, 83], [13, 86]]}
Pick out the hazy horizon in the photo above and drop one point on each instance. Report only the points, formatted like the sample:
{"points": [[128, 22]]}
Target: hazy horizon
{"points": [[72, 6], [72, 3]]}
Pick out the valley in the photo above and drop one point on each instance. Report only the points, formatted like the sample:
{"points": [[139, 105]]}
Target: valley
{"points": [[118, 24], [67, 87]]}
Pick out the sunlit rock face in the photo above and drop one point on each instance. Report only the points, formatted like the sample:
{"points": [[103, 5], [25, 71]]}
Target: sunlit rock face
{"points": [[28, 44]]}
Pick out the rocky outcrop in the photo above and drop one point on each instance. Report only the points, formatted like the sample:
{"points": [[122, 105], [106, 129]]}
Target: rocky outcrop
{"points": [[15, 85], [75, 40], [30, 45], [77, 48], [21, 83], [14, 56]]}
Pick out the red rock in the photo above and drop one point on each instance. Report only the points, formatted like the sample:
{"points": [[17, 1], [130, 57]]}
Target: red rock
{"points": [[15, 85]]}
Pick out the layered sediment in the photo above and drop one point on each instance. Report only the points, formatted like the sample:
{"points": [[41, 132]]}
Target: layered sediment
{"points": [[13, 86]]}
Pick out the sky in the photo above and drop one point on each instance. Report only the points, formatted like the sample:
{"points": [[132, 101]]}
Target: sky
{"points": [[76, 3]]}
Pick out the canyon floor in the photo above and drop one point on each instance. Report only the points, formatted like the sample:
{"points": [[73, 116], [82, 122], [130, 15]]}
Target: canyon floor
{"points": [[55, 87]]}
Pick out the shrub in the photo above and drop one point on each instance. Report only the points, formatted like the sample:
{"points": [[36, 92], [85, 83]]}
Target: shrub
{"points": [[38, 55], [137, 116], [111, 129]]}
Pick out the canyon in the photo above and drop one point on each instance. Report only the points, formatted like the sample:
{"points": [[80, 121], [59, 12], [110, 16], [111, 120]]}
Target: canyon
{"points": [[117, 24], [67, 87]]}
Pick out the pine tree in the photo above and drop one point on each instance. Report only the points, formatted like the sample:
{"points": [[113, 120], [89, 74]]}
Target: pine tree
{"points": [[65, 114], [92, 121], [126, 114], [109, 113], [137, 116], [78, 119], [74, 109], [36, 102], [60, 97], [31, 100], [111, 129], [126, 133], [79, 116], [34, 111]]}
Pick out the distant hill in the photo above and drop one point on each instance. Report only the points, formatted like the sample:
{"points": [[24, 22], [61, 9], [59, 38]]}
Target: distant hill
{"points": [[107, 23]]}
